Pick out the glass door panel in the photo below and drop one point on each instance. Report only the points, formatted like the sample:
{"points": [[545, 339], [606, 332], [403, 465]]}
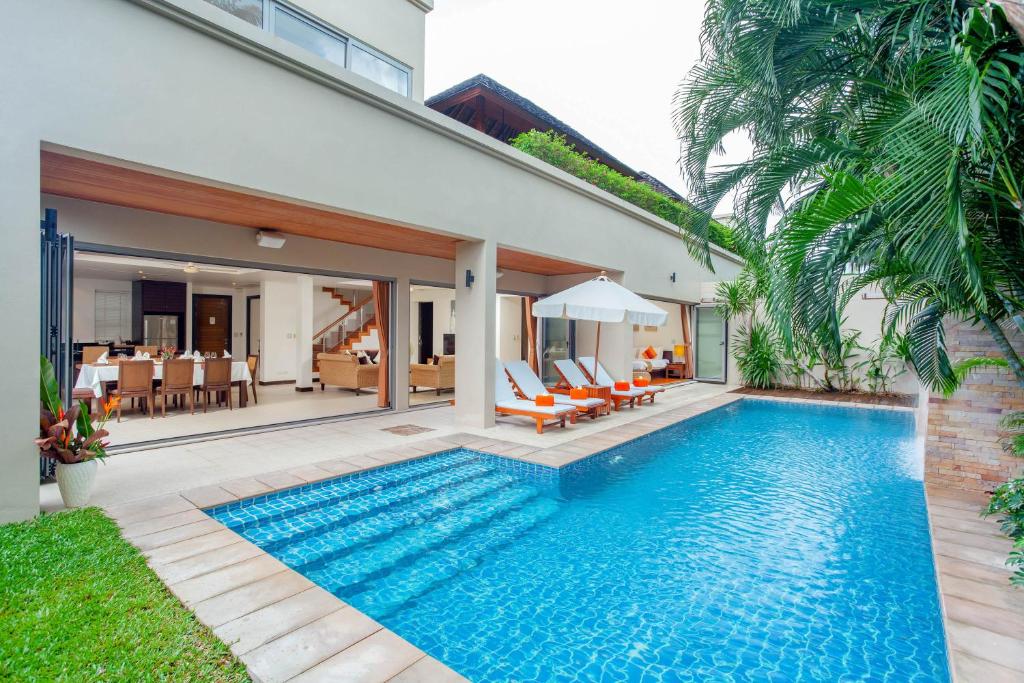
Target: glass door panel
{"points": [[711, 347], [556, 344]]}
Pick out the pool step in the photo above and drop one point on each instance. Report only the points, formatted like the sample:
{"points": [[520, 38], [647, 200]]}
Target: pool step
{"points": [[288, 504], [382, 597], [295, 527], [377, 559], [343, 538]]}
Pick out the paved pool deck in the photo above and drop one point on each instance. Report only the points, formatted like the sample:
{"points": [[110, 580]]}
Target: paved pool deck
{"points": [[285, 628]]}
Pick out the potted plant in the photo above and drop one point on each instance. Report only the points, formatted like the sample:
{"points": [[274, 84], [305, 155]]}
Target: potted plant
{"points": [[72, 438]]}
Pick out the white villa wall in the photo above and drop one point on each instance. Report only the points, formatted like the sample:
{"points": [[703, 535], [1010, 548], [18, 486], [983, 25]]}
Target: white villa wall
{"points": [[279, 335], [84, 323], [510, 330]]}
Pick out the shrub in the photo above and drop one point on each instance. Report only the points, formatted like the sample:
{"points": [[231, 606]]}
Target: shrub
{"points": [[553, 149], [758, 356], [1008, 502]]}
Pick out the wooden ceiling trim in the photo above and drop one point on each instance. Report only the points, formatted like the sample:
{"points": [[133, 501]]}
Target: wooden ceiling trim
{"points": [[521, 261]]}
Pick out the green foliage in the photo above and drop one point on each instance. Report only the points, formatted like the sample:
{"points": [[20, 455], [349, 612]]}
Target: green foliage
{"points": [[890, 135], [1008, 503], [758, 356], [78, 603], [67, 437], [883, 365], [694, 228]]}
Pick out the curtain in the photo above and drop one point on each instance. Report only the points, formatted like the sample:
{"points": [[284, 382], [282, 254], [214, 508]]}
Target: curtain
{"points": [[382, 310], [531, 333], [684, 311]]}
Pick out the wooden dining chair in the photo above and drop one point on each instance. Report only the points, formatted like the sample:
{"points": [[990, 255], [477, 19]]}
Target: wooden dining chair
{"points": [[91, 354], [178, 381], [151, 350], [216, 378], [253, 361], [134, 380]]}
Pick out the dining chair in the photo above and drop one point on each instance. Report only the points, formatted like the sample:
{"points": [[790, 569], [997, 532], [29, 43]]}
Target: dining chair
{"points": [[178, 380], [91, 354], [253, 361], [134, 380], [216, 378], [151, 350]]}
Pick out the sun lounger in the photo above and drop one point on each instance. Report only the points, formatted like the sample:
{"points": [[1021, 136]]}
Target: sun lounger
{"points": [[602, 377], [506, 403], [529, 385], [572, 376]]}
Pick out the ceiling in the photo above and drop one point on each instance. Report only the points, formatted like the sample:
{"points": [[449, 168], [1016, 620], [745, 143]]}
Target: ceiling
{"points": [[69, 176]]}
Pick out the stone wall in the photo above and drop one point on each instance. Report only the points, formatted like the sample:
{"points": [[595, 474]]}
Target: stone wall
{"points": [[963, 446]]}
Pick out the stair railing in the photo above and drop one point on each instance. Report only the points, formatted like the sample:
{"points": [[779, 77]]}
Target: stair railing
{"points": [[337, 330]]}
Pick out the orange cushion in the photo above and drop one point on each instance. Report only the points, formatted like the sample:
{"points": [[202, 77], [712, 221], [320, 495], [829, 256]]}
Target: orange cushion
{"points": [[641, 382], [544, 400], [650, 353], [577, 393], [622, 386]]}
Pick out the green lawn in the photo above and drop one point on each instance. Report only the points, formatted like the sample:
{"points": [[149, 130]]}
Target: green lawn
{"points": [[78, 603]]}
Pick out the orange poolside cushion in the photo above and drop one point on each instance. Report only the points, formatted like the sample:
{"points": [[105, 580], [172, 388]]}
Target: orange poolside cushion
{"points": [[622, 386], [577, 393], [650, 353], [544, 400], [641, 382]]}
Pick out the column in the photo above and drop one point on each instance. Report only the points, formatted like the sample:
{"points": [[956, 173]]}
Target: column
{"points": [[475, 320], [399, 351], [304, 331], [19, 309]]}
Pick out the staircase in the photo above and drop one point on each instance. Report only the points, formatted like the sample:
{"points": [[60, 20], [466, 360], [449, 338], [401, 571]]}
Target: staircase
{"points": [[379, 542], [352, 327]]}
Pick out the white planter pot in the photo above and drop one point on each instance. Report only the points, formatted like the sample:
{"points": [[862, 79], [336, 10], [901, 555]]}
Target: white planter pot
{"points": [[75, 482]]}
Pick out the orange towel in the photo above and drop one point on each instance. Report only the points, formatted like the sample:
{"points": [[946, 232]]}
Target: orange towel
{"points": [[641, 382], [622, 386], [577, 393], [544, 400]]}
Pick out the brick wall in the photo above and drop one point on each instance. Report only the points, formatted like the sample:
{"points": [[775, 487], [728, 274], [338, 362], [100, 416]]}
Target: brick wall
{"points": [[963, 445]]}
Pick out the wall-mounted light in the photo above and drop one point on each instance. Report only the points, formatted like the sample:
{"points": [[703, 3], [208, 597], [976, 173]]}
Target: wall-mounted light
{"points": [[469, 278], [672, 277], [269, 239]]}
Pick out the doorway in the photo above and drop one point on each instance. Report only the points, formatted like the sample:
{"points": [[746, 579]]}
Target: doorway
{"points": [[710, 347], [211, 323], [558, 343], [425, 333]]}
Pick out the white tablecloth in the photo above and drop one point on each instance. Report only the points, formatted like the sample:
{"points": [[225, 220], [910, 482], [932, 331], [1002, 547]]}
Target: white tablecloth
{"points": [[93, 376]]}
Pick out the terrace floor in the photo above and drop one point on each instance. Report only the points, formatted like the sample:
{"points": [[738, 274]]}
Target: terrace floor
{"points": [[285, 628]]}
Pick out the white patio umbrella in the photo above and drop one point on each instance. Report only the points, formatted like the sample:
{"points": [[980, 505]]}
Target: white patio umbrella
{"points": [[602, 301]]}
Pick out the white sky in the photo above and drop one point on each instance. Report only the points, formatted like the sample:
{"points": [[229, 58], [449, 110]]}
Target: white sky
{"points": [[607, 68]]}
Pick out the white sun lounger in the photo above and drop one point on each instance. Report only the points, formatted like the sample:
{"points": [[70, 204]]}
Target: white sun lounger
{"points": [[604, 378], [572, 376], [529, 385], [506, 403]]}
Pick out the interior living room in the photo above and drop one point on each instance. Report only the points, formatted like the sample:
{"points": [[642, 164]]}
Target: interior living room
{"points": [[128, 307]]}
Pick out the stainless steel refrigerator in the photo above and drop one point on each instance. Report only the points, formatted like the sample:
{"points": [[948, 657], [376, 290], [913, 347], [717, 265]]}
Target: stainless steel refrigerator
{"points": [[160, 330]]}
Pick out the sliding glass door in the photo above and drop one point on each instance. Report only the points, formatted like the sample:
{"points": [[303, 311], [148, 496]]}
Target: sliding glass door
{"points": [[557, 343], [711, 345]]}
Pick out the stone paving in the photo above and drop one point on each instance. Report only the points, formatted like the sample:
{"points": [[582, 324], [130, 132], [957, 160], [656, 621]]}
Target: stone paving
{"points": [[285, 628]]}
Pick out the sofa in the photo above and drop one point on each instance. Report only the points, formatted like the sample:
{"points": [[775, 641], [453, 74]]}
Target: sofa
{"points": [[344, 370], [436, 376]]}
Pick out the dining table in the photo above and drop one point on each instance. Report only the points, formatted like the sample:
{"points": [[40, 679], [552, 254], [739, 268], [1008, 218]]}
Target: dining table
{"points": [[95, 376]]}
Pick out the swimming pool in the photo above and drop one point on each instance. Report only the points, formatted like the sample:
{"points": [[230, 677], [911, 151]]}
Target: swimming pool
{"points": [[760, 541]]}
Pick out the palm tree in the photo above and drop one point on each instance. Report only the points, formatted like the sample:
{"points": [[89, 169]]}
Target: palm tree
{"points": [[889, 135]]}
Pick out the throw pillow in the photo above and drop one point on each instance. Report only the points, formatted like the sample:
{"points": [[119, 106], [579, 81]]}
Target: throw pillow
{"points": [[650, 353]]}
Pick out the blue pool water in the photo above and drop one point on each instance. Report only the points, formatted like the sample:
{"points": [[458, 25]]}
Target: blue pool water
{"points": [[759, 542]]}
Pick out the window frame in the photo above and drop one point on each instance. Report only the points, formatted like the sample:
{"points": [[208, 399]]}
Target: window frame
{"points": [[269, 7], [125, 314]]}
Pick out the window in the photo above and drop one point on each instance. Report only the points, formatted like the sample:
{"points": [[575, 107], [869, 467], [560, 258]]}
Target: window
{"points": [[305, 31], [307, 35], [246, 10], [113, 316], [379, 71]]}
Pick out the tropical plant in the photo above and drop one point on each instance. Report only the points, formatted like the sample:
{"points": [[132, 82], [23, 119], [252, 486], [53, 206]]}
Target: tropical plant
{"points": [[68, 436], [889, 135], [553, 149], [883, 365], [1007, 502], [758, 356]]}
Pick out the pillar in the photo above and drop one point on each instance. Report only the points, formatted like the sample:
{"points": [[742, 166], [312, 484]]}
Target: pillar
{"points": [[19, 309], [475, 321], [304, 331]]}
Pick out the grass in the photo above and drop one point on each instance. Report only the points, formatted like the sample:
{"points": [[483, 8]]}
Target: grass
{"points": [[78, 603]]}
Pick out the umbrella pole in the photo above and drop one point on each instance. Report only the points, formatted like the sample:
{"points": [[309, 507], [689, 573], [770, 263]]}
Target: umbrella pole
{"points": [[597, 351]]}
